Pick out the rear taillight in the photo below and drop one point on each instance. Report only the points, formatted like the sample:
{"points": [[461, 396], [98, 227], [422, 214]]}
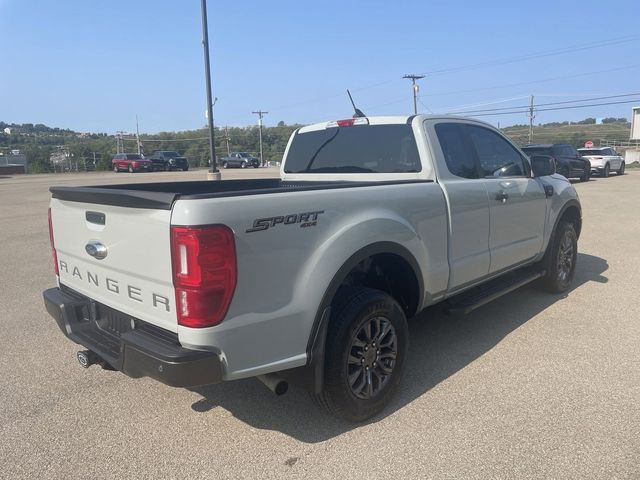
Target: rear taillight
{"points": [[53, 246], [204, 273]]}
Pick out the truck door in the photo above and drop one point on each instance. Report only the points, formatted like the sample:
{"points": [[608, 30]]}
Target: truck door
{"points": [[517, 202], [467, 203]]}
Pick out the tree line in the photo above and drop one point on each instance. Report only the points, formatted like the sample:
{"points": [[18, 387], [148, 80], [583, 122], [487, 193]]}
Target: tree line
{"points": [[39, 142]]}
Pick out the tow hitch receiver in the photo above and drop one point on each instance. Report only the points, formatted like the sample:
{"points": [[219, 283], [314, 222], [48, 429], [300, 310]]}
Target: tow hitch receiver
{"points": [[86, 358]]}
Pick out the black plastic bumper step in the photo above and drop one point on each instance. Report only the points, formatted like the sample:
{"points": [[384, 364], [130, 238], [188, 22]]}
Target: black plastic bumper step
{"points": [[476, 297]]}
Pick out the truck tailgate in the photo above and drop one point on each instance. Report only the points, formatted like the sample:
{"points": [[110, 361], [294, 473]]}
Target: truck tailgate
{"points": [[135, 277]]}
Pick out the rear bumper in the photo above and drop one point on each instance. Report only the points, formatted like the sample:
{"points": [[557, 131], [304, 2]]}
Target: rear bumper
{"points": [[141, 351]]}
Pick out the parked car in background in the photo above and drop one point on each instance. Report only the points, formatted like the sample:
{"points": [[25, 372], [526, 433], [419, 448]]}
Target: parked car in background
{"points": [[168, 160], [131, 162], [569, 163], [240, 159], [603, 160]]}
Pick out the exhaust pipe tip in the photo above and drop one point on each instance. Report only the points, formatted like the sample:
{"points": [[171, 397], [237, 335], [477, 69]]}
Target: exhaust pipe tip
{"points": [[275, 383], [86, 358]]}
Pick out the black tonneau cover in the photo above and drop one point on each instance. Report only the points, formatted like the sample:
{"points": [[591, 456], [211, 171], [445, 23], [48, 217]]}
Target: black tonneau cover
{"points": [[160, 196]]}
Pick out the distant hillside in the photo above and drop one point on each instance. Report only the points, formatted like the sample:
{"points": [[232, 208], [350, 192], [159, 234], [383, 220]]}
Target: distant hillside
{"points": [[40, 142], [572, 133]]}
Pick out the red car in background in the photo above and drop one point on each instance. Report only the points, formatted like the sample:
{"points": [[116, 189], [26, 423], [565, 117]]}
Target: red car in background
{"points": [[132, 162]]}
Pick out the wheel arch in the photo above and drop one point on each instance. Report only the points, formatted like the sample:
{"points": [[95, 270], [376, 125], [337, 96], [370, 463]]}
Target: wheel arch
{"points": [[311, 376]]}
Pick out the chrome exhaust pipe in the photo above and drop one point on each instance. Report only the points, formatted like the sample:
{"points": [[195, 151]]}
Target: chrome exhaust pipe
{"points": [[86, 358], [275, 383]]}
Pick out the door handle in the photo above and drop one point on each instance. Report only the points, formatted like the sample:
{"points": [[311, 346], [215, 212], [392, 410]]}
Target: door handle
{"points": [[502, 197]]}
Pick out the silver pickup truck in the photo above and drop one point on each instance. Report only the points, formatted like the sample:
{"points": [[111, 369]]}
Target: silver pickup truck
{"points": [[309, 279]]}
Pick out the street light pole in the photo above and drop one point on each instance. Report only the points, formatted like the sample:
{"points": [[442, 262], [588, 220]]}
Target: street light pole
{"points": [[213, 173]]}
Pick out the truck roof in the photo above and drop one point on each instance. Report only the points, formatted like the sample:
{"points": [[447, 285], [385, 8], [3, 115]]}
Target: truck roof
{"points": [[386, 120]]}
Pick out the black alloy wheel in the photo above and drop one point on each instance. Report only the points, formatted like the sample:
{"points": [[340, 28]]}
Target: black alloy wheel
{"points": [[372, 357], [365, 353], [561, 259]]}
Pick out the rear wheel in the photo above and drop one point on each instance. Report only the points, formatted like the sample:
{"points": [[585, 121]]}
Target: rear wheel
{"points": [[621, 169], [115, 168], [243, 165], [366, 350], [130, 169], [560, 260], [564, 171], [167, 167], [606, 171], [225, 165]]}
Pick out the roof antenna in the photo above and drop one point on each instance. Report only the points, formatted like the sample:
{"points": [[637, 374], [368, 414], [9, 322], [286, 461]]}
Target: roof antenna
{"points": [[358, 113]]}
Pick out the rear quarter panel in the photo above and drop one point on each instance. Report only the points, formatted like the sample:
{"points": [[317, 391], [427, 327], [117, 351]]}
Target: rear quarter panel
{"points": [[284, 271]]}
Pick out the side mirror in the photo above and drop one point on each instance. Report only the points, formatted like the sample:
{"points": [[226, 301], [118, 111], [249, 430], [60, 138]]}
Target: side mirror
{"points": [[543, 165]]}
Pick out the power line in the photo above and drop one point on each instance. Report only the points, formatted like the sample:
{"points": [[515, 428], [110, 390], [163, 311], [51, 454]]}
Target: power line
{"points": [[548, 103], [560, 108], [535, 55]]}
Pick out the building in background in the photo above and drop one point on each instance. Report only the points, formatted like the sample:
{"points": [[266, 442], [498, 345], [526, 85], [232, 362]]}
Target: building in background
{"points": [[632, 154], [14, 163]]}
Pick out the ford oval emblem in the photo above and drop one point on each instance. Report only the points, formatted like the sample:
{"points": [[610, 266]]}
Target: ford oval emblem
{"points": [[96, 249]]}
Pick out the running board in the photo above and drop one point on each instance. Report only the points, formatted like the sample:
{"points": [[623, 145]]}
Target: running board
{"points": [[476, 297]]}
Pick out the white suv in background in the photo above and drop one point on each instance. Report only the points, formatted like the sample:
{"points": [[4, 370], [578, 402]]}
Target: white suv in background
{"points": [[603, 160]]}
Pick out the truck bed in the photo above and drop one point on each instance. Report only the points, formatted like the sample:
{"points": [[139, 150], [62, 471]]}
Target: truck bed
{"points": [[162, 195]]}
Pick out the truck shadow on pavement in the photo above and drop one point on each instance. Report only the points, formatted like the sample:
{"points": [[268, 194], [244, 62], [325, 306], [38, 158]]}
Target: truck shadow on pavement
{"points": [[440, 346]]}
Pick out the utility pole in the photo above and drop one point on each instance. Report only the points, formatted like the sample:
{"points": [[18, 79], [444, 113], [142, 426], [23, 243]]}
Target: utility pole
{"points": [[531, 117], [260, 113], [415, 87], [226, 138], [119, 142], [213, 173], [137, 134]]}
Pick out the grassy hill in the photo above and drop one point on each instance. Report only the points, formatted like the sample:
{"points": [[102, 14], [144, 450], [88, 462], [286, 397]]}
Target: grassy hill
{"points": [[573, 134]]}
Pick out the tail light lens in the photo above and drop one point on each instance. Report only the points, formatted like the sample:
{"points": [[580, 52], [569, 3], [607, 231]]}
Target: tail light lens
{"points": [[204, 273], [53, 246]]}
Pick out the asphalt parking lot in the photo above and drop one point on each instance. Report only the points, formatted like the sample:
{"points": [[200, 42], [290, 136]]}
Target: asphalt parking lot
{"points": [[530, 386]]}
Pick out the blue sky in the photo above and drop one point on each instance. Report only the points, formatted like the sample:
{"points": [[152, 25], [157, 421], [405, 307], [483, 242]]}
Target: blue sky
{"points": [[93, 65]]}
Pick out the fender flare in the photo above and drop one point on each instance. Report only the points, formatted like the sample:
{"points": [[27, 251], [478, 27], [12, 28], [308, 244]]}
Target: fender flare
{"points": [[311, 376]]}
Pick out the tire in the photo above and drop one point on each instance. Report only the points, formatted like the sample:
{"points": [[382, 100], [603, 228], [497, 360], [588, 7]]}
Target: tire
{"points": [[185, 169], [586, 176], [560, 260], [564, 171], [243, 165], [621, 169], [225, 165], [130, 169], [167, 167], [360, 377], [115, 169], [606, 171]]}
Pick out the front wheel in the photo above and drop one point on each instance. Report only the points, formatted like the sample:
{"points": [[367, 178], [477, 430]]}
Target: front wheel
{"points": [[243, 165], [225, 165], [560, 260], [366, 350], [607, 171], [621, 169], [115, 169], [130, 169]]}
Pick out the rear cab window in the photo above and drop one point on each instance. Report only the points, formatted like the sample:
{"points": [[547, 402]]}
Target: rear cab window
{"points": [[385, 148]]}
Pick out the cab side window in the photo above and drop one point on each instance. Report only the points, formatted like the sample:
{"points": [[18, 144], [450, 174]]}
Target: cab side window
{"points": [[458, 154], [497, 157]]}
